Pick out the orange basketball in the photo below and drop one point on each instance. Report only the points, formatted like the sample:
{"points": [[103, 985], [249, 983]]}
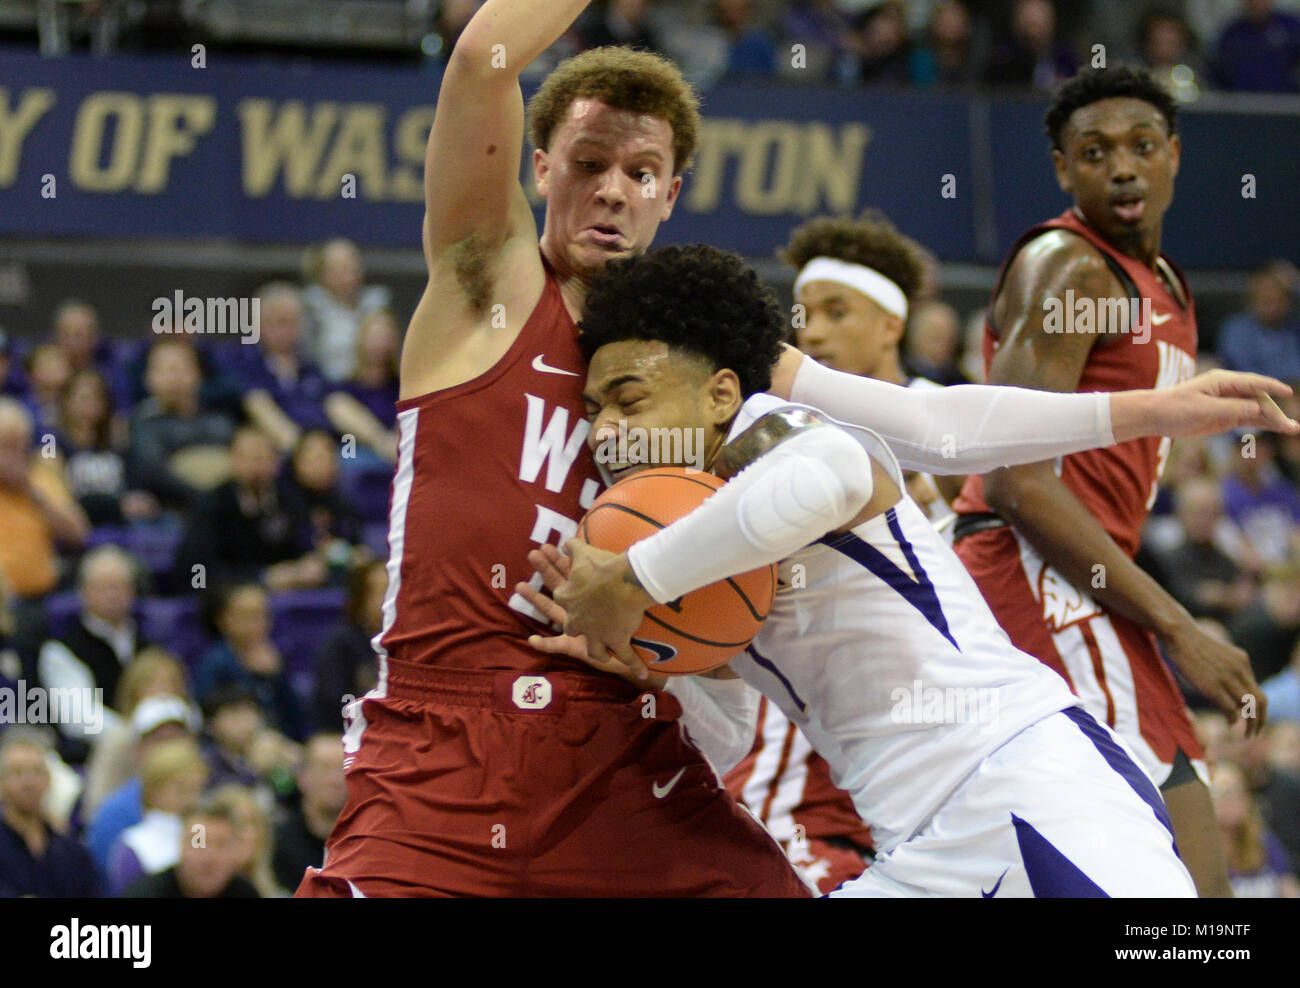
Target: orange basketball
{"points": [[706, 627]]}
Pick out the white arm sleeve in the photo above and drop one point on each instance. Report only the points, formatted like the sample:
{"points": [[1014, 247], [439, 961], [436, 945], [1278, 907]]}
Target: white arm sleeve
{"points": [[813, 482], [968, 428], [721, 716]]}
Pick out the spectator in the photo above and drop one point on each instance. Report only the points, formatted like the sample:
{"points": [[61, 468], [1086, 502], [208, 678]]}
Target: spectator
{"points": [[336, 302], [300, 837], [1260, 50], [347, 667], [947, 59], [1032, 56], [1266, 337], [48, 375], [1269, 626], [1199, 575], [156, 720], [1276, 793], [92, 653], [153, 672], [1258, 866], [1288, 447], [39, 513], [177, 447], [620, 22], [76, 334], [252, 839], [931, 341], [751, 51], [1283, 690], [365, 405], [172, 777], [829, 46], [283, 394], [239, 748], [246, 655], [35, 859], [92, 442], [1284, 746], [206, 869], [1168, 50], [886, 49], [310, 484], [245, 528], [1260, 501]]}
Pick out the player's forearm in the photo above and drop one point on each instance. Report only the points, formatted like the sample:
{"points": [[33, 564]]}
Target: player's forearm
{"points": [[970, 428], [1071, 540], [811, 483], [524, 29]]}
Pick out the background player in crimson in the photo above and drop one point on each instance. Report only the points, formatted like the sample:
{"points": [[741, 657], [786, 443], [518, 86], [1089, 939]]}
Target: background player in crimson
{"points": [[1116, 152]]}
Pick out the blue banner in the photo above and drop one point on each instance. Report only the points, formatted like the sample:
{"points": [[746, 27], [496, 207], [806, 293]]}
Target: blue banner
{"points": [[155, 147]]}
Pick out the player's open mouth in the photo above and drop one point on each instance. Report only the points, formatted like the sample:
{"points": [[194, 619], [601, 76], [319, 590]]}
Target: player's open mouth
{"points": [[1128, 208]]}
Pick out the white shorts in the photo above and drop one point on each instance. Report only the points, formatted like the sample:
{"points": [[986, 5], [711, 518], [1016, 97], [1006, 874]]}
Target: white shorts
{"points": [[1060, 810]]}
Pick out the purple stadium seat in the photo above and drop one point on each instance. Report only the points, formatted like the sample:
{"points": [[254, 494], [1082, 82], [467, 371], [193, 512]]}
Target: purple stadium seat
{"points": [[303, 619], [366, 489], [375, 535], [173, 623], [61, 610]]}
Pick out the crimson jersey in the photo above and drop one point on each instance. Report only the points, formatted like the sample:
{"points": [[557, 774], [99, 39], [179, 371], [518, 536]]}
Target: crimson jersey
{"points": [[1117, 484], [487, 470]]}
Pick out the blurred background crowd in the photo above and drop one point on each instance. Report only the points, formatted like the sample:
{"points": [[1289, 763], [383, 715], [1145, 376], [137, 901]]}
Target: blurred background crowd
{"points": [[197, 525], [1245, 45]]}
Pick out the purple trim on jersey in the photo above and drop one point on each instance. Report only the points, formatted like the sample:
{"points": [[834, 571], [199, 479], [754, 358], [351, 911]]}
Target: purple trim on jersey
{"points": [[1051, 874], [1119, 760], [918, 592], [770, 667]]}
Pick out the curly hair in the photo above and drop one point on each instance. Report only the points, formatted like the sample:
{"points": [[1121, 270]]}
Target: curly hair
{"points": [[1094, 85], [624, 79], [870, 240], [695, 298]]}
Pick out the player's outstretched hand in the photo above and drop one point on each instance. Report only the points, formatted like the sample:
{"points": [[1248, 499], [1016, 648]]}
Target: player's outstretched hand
{"points": [[1221, 672], [1217, 401]]}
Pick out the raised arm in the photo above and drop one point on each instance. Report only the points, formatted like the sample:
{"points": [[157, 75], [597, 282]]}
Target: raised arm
{"points": [[471, 167]]}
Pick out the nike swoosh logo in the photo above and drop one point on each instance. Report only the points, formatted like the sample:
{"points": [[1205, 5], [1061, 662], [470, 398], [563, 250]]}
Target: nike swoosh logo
{"points": [[1157, 319], [661, 791], [663, 652], [540, 365], [997, 885]]}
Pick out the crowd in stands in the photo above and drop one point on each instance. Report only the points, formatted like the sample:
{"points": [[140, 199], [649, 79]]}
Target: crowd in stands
{"points": [[196, 527], [1196, 45]]}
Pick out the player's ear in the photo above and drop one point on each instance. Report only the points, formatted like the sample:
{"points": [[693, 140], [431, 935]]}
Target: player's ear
{"points": [[893, 329], [1175, 154], [541, 170], [725, 397], [670, 197], [1062, 171]]}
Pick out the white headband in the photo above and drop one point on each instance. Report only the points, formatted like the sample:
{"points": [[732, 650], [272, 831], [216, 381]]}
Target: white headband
{"points": [[868, 281]]}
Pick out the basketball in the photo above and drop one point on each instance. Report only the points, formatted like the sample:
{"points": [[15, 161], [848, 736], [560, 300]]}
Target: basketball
{"points": [[706, 627]]}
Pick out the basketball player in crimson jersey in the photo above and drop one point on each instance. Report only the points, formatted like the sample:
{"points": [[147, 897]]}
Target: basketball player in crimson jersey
{"points": [[1051, 545]]}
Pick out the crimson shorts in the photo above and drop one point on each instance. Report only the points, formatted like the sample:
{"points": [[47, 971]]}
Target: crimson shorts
{"points": [[1112, 665], [500, 784]]}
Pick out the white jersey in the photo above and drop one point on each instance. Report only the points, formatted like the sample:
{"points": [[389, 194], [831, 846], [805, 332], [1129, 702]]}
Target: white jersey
{"points": [[881, 649]]}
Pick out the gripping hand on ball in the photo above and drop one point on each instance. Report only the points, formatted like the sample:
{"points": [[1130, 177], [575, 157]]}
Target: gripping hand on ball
{"points": [[604, 601], [554, 568]]}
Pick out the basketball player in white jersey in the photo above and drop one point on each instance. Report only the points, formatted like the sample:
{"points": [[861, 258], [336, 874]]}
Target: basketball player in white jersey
{"points": [[973, 764]]}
